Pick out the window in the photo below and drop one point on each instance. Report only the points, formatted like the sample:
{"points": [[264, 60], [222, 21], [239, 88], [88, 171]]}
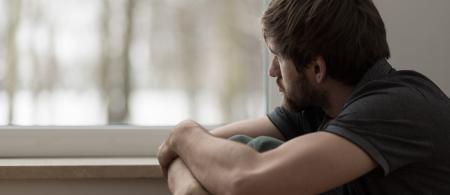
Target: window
{"points": [[132, 62]]}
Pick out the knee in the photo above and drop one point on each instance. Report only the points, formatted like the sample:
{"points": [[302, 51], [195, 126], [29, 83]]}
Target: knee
{"points": [[241, 138], [264, 143]]}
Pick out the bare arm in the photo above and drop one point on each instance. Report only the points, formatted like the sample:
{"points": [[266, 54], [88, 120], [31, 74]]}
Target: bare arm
{"points": [[180, 179], [182, 182], [309, 164], [254, 127]]}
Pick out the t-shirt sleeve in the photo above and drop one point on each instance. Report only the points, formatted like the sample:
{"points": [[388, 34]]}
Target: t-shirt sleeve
{"points": [[388, 123], [293, 124]]}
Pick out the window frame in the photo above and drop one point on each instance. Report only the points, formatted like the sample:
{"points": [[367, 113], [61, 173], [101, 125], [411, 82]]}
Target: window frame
{"points": [[107, 141], [95, 141], [80, 141], [99, 141]]}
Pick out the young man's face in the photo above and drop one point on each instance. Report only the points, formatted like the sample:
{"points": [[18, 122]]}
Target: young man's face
{"points": [[298, 93]]}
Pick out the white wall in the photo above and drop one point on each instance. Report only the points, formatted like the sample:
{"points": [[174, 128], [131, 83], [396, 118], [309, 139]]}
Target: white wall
{"points": [[419, 36]]}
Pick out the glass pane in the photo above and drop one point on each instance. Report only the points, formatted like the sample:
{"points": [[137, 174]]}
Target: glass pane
{"points": [[139, 62]]}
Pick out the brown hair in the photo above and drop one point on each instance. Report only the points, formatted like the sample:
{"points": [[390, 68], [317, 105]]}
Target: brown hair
{"points": [[349, 34]]}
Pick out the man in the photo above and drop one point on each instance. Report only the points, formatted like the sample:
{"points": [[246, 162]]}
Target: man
{"points": [[351, 123]]}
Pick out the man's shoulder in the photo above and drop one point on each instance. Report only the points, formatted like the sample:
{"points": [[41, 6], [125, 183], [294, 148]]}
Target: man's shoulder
{"points": [[404, 85], [399, 96], [293, 124]]}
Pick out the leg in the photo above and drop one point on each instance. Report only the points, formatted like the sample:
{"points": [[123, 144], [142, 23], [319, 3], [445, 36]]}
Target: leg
{"points": [[264, 143], [243, 139]]}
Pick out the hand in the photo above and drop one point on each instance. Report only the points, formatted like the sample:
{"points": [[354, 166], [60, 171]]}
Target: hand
{"points": [[165, 157], [166, 154]]}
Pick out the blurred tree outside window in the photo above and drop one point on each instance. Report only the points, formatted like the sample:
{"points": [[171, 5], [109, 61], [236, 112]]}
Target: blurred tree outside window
{"points": [[137, 62]]}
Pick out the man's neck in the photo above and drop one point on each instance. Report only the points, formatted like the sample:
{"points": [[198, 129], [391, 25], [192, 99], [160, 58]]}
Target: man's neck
{"points": [[338, 95]]}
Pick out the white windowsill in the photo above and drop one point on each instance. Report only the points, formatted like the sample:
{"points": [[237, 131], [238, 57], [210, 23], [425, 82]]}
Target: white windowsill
{"points": [[79, 168], [75, 142]]}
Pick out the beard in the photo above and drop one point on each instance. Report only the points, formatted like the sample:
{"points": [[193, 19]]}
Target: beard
{"points": [[303, 95]]}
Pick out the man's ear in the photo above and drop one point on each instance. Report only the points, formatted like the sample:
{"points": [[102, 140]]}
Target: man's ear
{"points": [[320, 69]]}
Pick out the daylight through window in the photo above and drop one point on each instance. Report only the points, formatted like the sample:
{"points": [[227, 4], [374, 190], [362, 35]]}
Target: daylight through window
{"points": [[139, 62]]}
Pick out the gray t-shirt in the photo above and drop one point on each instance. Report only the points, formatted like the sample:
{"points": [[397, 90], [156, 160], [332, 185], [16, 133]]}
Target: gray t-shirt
{"points": [[400, 119]]}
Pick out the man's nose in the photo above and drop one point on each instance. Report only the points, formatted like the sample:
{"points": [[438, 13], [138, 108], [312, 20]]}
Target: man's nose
{"points": [[274, 69]]}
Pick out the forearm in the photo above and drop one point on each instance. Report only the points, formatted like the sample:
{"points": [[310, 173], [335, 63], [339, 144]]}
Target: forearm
{"points": [[205, 154], [251, 127], [181, 178], [182, 182]]}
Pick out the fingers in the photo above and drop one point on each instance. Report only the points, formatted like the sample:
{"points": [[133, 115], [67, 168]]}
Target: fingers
{"points": [[165, 157], [166, 154]]}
